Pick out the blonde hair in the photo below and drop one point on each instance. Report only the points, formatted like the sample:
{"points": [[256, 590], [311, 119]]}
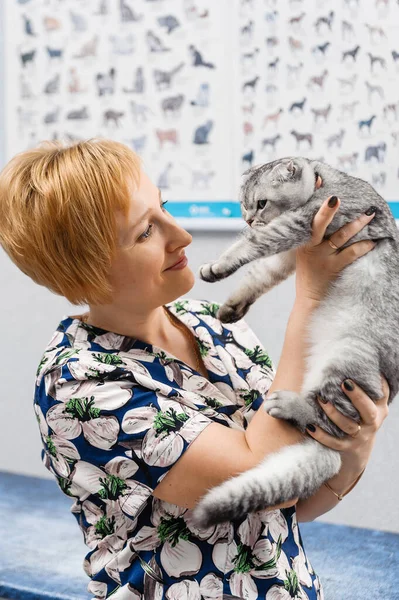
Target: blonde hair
{"points": [[57, 214]]}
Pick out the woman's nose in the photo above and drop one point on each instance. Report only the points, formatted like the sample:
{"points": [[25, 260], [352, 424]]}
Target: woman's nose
{"points": [[178, 237]]}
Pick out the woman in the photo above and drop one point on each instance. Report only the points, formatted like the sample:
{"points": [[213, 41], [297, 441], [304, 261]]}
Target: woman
{"points": [[147, 401]]}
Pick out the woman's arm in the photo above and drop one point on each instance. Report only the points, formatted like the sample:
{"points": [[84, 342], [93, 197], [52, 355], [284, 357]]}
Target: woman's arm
{"points": [[219, 453]]}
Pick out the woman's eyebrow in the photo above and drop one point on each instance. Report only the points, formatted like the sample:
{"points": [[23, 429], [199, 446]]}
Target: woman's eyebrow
{"points": [[133, 226]]}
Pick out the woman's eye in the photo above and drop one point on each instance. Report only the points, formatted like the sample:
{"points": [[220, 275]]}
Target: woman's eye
{"points": [[261, 204], [146, 233]]}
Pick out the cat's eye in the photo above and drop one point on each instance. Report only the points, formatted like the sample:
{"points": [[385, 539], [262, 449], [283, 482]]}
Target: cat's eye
{"points": [[261, 204]]}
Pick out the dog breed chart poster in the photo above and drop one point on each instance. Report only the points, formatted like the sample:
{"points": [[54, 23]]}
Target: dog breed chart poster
{"points": [[203, 90]]}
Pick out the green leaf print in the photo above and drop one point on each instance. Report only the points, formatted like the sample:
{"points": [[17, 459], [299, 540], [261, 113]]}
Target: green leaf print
{"points": [[67, 354], [173, 529], [209, 309], [259, 356], [65, 485], [249, 396], [105, 526], [166, 422], [50, 446], [213, 403], [165, 360], [203, 348], [291, 584], [41, 364], [180, 306], [112, 487], [245, 561], [108, 359], [82, 409]]}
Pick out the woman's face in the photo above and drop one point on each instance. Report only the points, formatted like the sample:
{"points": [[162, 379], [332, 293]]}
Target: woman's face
{"points": [[150, 243]]}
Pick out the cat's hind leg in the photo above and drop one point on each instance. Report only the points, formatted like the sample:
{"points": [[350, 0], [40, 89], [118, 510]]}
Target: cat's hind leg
{"points": [[265, 274], [329, 364]]}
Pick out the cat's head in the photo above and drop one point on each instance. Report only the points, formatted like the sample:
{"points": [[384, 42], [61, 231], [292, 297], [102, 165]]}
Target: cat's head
{"points": [[270, 189]]}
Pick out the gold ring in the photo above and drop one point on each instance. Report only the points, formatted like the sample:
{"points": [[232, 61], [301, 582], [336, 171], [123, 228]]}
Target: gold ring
{"points": [[333, 245], [357, 432]]}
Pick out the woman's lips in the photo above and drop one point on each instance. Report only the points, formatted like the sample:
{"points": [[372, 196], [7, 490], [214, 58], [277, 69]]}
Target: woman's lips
{"points": [[179, 265]]}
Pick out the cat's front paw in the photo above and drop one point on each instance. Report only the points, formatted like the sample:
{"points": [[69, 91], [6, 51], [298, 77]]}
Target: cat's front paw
{"points": [[231, 312], [288, 406], [207, 274]]}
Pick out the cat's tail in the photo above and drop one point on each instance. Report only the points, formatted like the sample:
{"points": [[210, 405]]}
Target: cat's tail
{"points": [[294, 472]]}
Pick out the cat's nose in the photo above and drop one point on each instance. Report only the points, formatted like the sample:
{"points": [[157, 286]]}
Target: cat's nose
{"points": [[250, 221]]}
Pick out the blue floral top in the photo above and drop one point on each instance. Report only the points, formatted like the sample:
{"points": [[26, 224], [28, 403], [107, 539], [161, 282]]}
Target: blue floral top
{"points": [[115, 414]]}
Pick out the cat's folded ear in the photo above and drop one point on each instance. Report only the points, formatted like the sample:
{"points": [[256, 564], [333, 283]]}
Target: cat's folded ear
{"points": [[283, 172], [251, 170]]}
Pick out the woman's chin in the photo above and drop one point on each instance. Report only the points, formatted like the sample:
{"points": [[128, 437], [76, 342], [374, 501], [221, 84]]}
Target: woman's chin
{"points": [[183, 284]]}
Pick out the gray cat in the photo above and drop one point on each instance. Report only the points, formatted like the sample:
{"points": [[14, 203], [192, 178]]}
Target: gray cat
{"points": [[352, 333]]}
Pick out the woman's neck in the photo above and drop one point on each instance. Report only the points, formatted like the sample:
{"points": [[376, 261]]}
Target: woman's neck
{"points": [[153, 327]]}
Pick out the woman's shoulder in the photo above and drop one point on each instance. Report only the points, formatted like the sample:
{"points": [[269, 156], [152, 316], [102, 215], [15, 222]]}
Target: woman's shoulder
{"points": [[232, 334]]}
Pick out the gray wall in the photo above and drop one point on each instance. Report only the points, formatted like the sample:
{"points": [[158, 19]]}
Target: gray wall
{"points": [[29, 314]]}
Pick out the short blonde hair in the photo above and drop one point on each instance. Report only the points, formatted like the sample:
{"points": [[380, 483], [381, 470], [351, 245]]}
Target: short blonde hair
{"points": [[57, 214]]}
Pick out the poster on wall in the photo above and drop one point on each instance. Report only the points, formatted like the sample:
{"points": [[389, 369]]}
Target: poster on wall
{"points": [[202, 90]]}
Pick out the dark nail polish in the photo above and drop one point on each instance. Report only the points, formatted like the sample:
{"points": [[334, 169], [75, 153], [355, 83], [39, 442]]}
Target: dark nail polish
{"points": [[370, 210], [348, 385], [322, 400], [332, 201], [311, 428]]}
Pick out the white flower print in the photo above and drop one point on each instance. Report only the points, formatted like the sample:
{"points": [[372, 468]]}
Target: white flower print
{"points": [[237, 381], [259, 379], [120, 492], [80, 411], [203, 392], [252, 557], [184, 590], [167, 429], [98, 589], [92, 364], [275, 523], [205, 343], [211, 587], [49, 355], [291, 590], [61, 453], [127, 592], [242, 361], [102, 525], [113, 484], [172, 528]]}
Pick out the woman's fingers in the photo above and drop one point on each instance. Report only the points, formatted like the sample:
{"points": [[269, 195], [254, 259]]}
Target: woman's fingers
{"points": [[347, 425], [353, 252], [372, 415], [347, 231], [328, 440], [322, 219]]}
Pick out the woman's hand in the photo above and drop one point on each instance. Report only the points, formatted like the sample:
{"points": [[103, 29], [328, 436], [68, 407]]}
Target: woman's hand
{"points": [[317, 263], [355, 451]]}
